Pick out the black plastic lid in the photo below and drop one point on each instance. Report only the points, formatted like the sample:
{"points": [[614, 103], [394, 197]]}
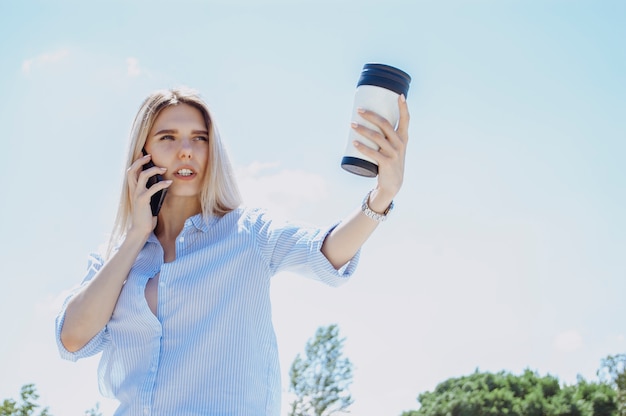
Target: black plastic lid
{"points": [[385, 76], [359, 167]]}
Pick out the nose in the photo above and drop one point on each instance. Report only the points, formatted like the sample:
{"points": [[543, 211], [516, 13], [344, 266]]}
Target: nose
{"points": [[185, 149]]}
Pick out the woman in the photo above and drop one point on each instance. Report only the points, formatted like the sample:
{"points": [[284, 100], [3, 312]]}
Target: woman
{"points": [[179, 304]]}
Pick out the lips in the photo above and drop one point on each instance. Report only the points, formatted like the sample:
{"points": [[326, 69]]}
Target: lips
{"points": [[185, 172]]}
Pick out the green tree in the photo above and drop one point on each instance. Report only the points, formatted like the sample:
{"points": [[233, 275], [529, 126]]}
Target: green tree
{"points": [[613, 371], [27, 407], [321, 379], [94, 411], [503, 394]]}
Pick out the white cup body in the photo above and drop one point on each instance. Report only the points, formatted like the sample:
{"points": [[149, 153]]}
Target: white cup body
{"points": [[379, 100]]}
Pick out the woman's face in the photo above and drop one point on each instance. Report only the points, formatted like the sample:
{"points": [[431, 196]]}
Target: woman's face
{"points": [[179, 141]]}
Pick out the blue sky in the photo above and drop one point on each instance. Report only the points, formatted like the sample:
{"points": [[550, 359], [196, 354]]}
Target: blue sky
{"points": [[506, 247]]}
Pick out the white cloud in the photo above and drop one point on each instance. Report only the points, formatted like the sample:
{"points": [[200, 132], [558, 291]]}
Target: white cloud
{"points": [[568, 341], [282, 191], [132, 67], [255, 168], [44, 59]]}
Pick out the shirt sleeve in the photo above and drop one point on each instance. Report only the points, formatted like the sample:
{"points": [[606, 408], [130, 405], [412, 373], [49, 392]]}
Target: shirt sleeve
{"points": [[97, 343], [293, 247]]}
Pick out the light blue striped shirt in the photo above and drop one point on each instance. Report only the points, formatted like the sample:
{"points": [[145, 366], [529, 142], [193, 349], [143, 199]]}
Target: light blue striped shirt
{"points": [[211, 348]]}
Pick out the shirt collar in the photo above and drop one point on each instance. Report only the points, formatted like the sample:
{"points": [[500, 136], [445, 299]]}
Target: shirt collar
{"points": [[197, 221], [201, 223]]}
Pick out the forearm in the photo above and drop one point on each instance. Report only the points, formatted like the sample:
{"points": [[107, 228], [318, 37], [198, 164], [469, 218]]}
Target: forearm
{"points": [[89, 310], [346, 239]]}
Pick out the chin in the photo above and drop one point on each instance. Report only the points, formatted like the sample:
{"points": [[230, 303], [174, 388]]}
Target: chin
{"points": [[181, 193]]}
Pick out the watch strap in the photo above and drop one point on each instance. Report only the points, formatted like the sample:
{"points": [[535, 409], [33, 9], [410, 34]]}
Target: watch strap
{"points": [[378, 217]]}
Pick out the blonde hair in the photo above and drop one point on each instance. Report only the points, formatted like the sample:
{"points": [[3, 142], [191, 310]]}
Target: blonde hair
{"points": [[220, 193]]}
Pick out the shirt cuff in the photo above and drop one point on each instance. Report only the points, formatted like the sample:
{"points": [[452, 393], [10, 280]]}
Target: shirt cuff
{"points": [[93, 347], [324, 270]]}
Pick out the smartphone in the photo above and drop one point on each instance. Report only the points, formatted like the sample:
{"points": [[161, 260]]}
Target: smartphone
{"points": [[157, 199]]}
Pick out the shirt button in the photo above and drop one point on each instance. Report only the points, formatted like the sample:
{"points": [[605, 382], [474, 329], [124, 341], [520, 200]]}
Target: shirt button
{"points": [[181, 240]]}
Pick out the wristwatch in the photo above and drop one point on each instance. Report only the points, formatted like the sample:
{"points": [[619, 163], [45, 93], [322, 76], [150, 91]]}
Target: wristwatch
{"points": [[372, 214]]}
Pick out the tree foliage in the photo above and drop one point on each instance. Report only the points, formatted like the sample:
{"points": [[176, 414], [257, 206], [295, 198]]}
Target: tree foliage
{"points": [[28, 405], [94, 411], [499, 394], [321, 379], [613, 371]]}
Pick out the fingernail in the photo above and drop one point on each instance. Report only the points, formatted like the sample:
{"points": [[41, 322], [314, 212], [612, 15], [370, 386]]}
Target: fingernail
{"points": [[402, 98], [163, 169], [354, 124], [360, 110]]}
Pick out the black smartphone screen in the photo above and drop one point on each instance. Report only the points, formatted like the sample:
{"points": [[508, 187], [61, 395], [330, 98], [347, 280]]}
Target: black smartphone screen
{"points": [[157, 199]]}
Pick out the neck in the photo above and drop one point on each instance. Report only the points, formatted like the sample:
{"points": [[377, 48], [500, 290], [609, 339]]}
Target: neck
{"points": [[174, 212]]}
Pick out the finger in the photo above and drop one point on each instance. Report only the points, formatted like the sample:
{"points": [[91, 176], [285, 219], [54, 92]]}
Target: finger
{"points": [[375, 142], [158, 187], [145, 175], [383, 143], [367, 151], [144, 196], [138, 164], [388, 132], [375, 118], [132, 173], [403, 122]]}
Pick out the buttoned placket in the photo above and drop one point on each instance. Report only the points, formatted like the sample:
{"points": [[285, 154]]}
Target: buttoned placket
{"points": [[163, 268], [147, 393], [181, 247]]}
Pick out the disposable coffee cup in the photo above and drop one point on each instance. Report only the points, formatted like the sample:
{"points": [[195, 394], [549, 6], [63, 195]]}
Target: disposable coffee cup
{"points": [[378, 90]]}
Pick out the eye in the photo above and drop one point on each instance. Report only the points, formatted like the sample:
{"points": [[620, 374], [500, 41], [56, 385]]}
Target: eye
{"points": [[167, 137], [201, 138]]}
